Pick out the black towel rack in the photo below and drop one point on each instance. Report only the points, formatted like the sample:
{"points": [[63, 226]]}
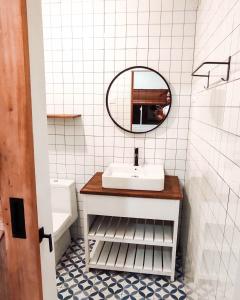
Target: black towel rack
{"points": [[228, 63]]}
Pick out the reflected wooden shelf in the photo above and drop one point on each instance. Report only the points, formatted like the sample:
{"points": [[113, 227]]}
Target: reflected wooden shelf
{"points": [[63, 116]]}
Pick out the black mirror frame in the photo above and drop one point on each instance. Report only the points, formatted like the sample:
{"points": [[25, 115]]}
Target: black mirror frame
{"points": [[108, 91]]}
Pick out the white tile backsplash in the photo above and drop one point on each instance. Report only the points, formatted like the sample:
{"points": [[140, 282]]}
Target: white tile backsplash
{"points": [[87, 42], [212, 184]]}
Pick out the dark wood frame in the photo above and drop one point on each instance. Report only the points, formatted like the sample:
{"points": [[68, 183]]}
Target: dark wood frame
{"points": [[150, 96], [22, 278], [109, 88]]}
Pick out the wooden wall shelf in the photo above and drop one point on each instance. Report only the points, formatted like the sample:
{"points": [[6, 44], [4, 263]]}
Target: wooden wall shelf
{"points": [[63, 116]]}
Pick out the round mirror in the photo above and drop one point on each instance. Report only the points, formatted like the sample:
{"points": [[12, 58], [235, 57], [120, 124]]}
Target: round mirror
{"points": [[138, 99]]}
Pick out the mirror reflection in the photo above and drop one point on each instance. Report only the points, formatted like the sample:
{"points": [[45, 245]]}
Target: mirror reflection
{"points": [[138, 99]]}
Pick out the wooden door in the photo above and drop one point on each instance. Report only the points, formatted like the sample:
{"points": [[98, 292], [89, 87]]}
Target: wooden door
{"points": [[20, 257]]}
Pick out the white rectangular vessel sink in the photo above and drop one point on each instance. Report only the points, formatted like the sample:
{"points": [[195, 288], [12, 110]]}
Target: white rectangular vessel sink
{"points": [[126, 176]]}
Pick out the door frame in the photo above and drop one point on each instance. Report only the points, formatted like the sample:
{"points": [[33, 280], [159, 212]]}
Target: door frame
{"points": [[17, 167]]}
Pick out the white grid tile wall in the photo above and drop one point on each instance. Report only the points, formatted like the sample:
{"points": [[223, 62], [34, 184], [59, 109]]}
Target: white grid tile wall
{"points": [[213, 161], [87, 42]]}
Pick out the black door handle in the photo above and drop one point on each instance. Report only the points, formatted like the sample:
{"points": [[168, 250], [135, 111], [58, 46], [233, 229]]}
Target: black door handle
{"points": [[43, 235]]}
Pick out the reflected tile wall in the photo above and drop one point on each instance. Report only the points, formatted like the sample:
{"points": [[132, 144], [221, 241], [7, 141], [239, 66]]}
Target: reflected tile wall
{"points": [[86, 43], [212, 185]]}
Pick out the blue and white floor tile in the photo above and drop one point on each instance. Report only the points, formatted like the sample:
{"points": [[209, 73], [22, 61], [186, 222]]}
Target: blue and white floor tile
{"points": [[73, 282]]}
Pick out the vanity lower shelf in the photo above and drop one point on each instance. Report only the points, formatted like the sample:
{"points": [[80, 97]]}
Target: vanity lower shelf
{"points": [[132, 231], [131, 258]]}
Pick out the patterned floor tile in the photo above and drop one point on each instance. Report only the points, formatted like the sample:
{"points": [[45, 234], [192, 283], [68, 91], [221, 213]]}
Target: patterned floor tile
{"points": [[73, 282]]}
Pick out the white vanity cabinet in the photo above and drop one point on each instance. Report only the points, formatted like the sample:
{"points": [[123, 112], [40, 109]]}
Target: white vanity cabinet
{"points": [[135, 231]]}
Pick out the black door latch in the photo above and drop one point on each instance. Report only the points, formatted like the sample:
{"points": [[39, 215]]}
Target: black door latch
{"points": [[43, 235], [18, 218]]}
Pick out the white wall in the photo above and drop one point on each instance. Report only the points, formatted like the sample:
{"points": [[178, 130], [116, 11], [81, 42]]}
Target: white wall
{"points": [[148, 80], [212, 208], [87, 42]]}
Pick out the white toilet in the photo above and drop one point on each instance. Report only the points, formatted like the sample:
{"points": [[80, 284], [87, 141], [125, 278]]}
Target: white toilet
{"points": [[64, 213]]}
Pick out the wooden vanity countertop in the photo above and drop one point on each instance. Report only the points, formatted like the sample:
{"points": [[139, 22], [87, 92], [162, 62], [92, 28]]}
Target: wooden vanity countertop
{"points": [[171, 191]]}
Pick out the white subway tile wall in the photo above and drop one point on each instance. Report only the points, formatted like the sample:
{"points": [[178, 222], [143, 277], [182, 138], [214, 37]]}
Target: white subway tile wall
{"points": [[212, 207], [87, 42]]}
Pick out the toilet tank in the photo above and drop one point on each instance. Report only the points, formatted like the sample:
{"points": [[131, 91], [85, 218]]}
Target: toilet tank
{"points": [[63, 197]]}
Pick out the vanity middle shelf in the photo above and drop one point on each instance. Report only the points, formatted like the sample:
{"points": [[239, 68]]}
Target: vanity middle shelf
{"points": [[132, 231]]}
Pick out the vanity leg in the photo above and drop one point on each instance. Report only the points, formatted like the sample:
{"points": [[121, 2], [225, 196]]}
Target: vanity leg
{"points": [[175, 236], [86, 242]]}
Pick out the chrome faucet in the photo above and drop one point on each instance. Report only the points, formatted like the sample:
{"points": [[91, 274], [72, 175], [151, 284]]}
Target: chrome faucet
{"points": [[136, 157]]}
